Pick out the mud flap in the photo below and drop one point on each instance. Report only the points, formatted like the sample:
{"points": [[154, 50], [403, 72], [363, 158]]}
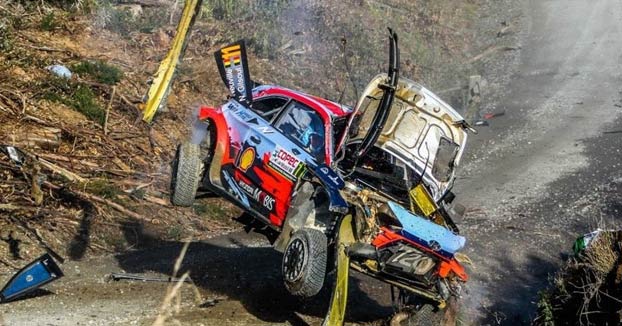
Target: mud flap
{"points": [[161, 85], [38, 273], [337, 309]]}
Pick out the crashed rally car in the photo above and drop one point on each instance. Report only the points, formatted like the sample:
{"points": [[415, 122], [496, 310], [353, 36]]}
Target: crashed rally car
{"points": [[297, 164]]}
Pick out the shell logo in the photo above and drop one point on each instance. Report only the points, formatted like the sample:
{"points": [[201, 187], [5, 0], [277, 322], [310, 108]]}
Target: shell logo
{"points": [[246, 159]]}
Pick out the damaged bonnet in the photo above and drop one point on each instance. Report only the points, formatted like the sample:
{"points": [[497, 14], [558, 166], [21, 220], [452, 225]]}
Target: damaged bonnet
{"points": [[421, 130]]}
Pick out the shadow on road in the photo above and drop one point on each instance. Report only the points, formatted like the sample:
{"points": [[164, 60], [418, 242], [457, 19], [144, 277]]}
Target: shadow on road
{"points": [[250, 275], [518, 291]]}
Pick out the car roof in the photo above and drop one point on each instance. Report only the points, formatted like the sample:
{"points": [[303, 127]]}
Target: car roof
{"points": [[331, 108]]}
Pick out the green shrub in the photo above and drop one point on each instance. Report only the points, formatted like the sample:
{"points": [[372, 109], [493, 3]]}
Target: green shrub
{"points": [[100, 71], [6, 38], [85, 102], [49, 23], [102, 188]]}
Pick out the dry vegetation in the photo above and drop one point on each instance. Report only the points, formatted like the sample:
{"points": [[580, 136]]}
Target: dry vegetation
{"points": [[96, 178], [587, 290]]}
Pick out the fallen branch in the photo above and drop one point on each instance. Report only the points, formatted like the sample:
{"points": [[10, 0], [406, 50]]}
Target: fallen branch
{"points": [[100, 200], [145, 3], [62, 171], [114, 90], [11, 207], [491, 50], [47, 49], [68, 159], [113, 205]]}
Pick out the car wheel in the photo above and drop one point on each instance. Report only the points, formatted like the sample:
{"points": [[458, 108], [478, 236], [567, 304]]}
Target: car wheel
{"points": [[425, 316], [304, 263], [186, 174]]}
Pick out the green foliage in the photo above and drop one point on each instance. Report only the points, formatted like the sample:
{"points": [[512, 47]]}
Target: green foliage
{"points": [[212, 210], [49, 23], [244, 9], [75, 5], [175, 232], [255, 20], [75, 95], [85, 102], [102, 188], [6, 38], [545, 309], [100, 71]]}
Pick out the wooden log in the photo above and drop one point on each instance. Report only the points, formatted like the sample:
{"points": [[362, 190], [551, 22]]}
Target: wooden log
{"points": [[40, 137]]}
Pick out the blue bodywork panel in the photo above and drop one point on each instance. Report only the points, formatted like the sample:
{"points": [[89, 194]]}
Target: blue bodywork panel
{"points": [[333, 183], [427, 233], [39, 272]]}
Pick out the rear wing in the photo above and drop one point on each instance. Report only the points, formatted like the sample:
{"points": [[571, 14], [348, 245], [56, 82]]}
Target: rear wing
{"points": [[233, 68]]}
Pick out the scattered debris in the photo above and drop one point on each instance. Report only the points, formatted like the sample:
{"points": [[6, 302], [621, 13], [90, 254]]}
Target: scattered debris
{"points": [[41, 271], [60, 71], [133, 277], [494, 114], [505, 29], [13, 153], [210, 302], [492, 49]]}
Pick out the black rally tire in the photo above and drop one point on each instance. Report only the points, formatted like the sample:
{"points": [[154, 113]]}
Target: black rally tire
{"points": [[426, 316], [186, 174], [304, 263]]}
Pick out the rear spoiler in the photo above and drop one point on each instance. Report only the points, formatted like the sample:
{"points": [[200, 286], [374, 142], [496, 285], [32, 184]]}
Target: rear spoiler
{"points": [[232, 65], [381, 115]]}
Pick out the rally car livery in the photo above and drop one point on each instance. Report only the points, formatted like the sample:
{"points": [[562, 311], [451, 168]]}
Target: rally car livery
{"points": [[297, 164]]}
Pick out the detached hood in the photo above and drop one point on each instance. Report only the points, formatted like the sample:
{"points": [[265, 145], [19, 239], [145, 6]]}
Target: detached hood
{"points": [[421, 130]]}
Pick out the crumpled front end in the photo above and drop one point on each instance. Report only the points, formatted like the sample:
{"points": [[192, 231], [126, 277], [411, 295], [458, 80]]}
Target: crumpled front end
{"points": [[423, 131]]}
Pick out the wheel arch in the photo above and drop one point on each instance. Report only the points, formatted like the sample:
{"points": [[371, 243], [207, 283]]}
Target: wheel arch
{"points": [[216, 120], [308, 209]]}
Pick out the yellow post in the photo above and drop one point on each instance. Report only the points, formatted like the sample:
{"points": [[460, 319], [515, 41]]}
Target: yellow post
{"points": [[337, 310], [158, 92]]}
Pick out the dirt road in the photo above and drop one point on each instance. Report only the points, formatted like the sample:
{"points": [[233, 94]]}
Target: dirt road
{"points": [[528, 184], [237, 278], [530, 174]]}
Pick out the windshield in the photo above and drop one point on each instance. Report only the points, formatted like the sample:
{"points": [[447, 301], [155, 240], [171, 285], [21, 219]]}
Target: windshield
{"points": [[304, 127]]}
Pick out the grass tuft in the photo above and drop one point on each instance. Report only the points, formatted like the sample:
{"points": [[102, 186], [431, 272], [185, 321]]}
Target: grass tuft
{"points": [[49, 22], [100, 71], [102, 188], [85, 102]]}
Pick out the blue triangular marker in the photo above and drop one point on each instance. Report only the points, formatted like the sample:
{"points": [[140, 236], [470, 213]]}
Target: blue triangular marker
{"points": [[38, 273]]}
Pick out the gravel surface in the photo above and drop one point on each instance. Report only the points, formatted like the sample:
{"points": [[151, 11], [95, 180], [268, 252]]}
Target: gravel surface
{"points": [[547, 155]]}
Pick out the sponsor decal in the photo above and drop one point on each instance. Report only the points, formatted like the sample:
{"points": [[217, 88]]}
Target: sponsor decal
{"points": [[258, 195], [265, 130], [234, 189], [246, 159], [286, 163], [332, 176]]}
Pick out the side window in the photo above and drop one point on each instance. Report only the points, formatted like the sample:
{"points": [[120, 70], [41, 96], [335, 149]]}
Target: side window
{"points": [[268, 107], [304, 127]]}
